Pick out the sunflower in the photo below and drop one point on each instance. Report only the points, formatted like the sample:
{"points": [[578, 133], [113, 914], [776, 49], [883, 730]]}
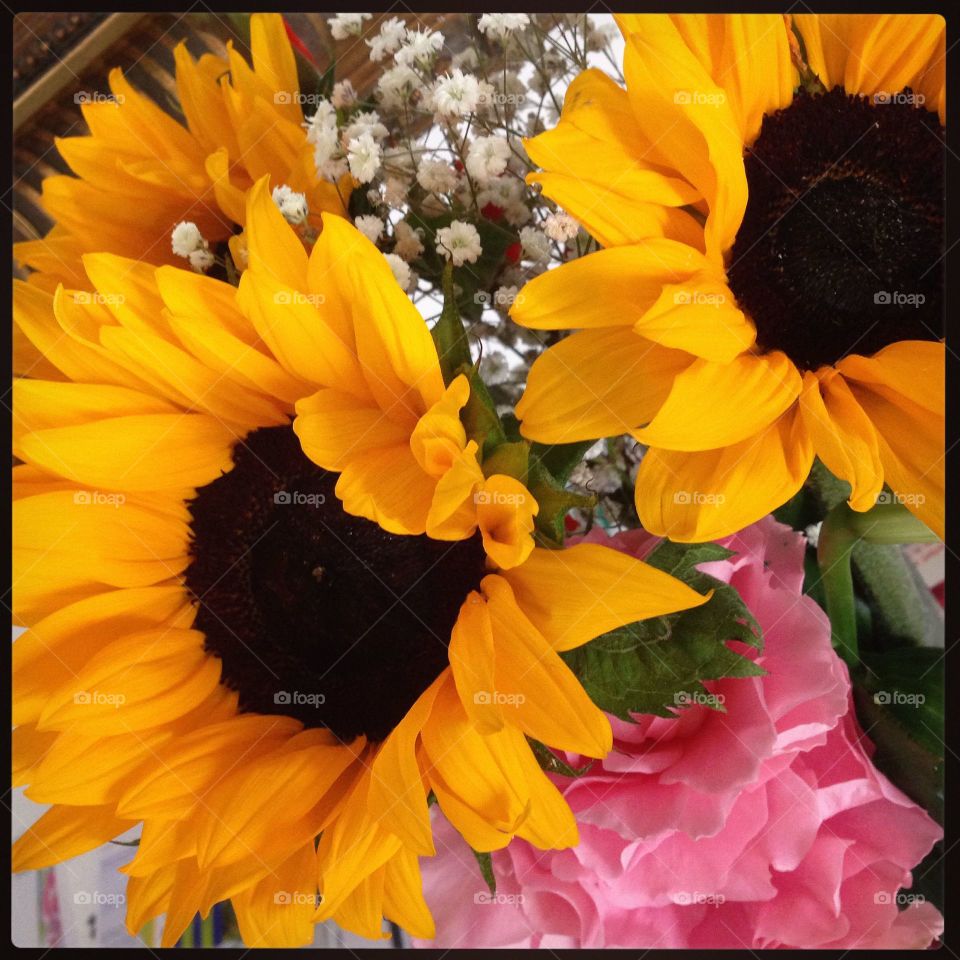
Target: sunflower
{"points": [[139, 172], [220, 650], [769, 197]]}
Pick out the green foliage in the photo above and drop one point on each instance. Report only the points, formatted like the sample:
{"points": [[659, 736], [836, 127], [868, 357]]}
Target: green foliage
{"points": [[656, 665]]}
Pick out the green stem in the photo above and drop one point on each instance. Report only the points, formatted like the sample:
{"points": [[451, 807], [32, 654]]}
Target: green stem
{"points": [[842, 530]]}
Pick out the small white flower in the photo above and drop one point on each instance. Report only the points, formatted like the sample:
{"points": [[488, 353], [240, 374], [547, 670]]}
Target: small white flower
{"points": [[401, 270], [599, 35], [535, 243], [370, 226], [501, 191], [487, 157], [363, 155], [322, 122], [517, 214], [459, 242], [186, 238], [345, 25], [367, 121], [344, 96], [560, 227], [407, 243], [292, 205], [436, 176], [456, 94], [327, 155], [201, 259], [388, 40], [397, 85], [419, 47], [497, 26]]}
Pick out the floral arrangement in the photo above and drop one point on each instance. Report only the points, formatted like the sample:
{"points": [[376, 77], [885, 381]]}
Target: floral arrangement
{"points": [[474, 502]]}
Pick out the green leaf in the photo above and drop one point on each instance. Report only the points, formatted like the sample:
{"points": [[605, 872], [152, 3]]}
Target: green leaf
{"points": [[479, 415], [554, 501], [561, 458], [449, 335], [655, 666], [508, 458], [486, 869], [908, 683]]}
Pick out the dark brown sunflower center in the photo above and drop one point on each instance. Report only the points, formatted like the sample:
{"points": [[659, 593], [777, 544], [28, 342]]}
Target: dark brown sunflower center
{"points": [[841, 246], [317, 614]]}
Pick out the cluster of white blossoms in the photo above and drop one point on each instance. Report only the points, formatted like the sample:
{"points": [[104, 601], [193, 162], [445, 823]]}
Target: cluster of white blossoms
{"points": [[429, 157], [186, 241]]}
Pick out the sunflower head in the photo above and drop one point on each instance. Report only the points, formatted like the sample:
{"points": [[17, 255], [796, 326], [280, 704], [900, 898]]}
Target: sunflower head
{"points": [[769, 197]]}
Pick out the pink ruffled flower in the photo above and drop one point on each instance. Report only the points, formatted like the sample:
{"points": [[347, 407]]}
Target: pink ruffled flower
{"points": [[764, 826]]}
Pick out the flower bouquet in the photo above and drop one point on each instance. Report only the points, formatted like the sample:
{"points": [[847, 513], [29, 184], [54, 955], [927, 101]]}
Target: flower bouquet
{"points": [[465, 503]]}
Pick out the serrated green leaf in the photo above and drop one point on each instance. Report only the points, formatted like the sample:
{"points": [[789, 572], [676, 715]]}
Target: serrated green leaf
{"points": [[554, 501], [656, 666]]}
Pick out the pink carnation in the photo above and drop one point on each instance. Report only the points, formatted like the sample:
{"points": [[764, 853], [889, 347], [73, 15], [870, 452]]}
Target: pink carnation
{"points": [[765, 826]]}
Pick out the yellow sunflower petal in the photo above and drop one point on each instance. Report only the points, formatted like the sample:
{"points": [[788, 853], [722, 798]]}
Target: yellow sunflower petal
{"points": [[388, 486], [472, 664], [278, 911], [453, 512], [274, 249], [394, 346], [872, 53], [139, 682], [631, 278], [842, 436], [678, 105], [334, 428], [606, 164], [54, 650], [274, 62], [574, 595], [439, 437], [700, 316], [396, 784], [911, 444], [86, 542], [597, 383], [65, 832], [361, 911], [149, 452], [244, 813], [714, 405], [548, 703], [748, 56], [694, 497], [478, 782], [403, 900], [505, 512], [916, 369], [188, 768]]}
